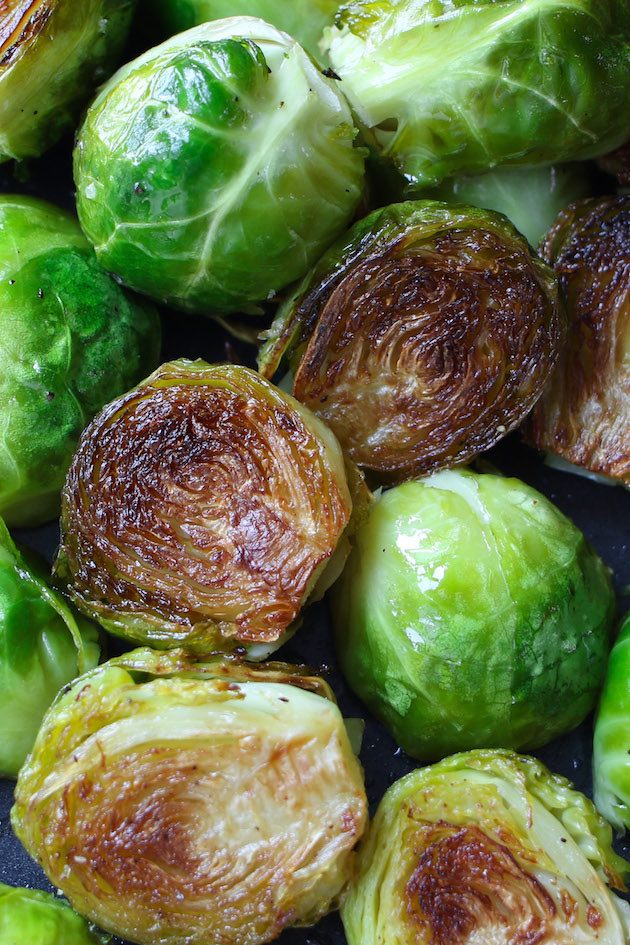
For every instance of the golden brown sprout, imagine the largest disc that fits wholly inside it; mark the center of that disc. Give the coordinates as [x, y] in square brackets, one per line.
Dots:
[423, 337]
[200, 510]
[584, 416]
[178, 802]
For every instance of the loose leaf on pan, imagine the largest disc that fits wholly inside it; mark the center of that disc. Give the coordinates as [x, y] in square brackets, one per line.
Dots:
[450, 87]
[486, 847]
[183, 802]
[53, 54]
[584, 416]
[422, 337]
[216, 168]
[200, 509]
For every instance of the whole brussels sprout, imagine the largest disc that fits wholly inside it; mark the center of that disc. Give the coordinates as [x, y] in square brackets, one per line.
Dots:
[216, 168]
[450, 87]
[422, 337]
[486, 847]
[37, 918]
[584, 415]
[200, 510]
[611, 749]
[42, 647]
[188, 803]
[71, 340]
[472, 613]
[53, 54]
[303, 19]
[531, 197]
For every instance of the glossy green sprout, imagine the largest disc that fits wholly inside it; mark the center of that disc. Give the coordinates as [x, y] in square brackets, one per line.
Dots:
[34, 917]
[43, 646]
[71, 340]
[472, 613]
[611, 748]
[53, 54]
[215, 169]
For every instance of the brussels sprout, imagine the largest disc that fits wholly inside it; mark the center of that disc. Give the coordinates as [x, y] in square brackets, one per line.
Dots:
[37, 918]
[303, 19]
[472, 613]
[422, 337]
[42, 647]
[618, 164]
[584, 415]
[450, 87]
[611, 751]
[216, 168]
[182, 802]
[53, 54]
[531, 197]
[71, 340]
[200, 510]
[486, 847]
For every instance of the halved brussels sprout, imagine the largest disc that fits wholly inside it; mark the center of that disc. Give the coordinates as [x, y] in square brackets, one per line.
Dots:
[449, 87]
[584, 415]
[472, 613]
[53, 54]
[70, 340]
[42, 647]
[303, 19]
[611, 749]
[531, 197]
[37, 918]
[216, 168]
[422, 337]
[200, 510]
[486, 847]
[182, 802]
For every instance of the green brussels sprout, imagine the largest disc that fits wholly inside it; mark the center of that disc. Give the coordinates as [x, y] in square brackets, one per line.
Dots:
[531, 197]
[486, 847]
[216, 168]
[424, 336]
[611, 748]
[185, 802]
[303, 19]
[471, 614]
[42, 647]
[584, 414]
[53, 54]
[451, 87]
[71, 340]
[37, 918]
[200, 510]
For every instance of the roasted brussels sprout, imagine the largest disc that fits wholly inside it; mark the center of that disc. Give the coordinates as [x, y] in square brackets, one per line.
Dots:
[71, 339]
[200, 509]
[451, 87]
[184, 802]
[486, 847]
[303, 19]
[611, 754]
[53, 54]
[422, 337]
[472, 613]
[37, 918]
[531, 197]
[216, 168]
[42, 647]
[584, 415]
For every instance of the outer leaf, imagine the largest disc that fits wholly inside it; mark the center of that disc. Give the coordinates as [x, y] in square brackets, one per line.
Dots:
[584, 416]
[485, 846]
[180, 802]
[53, 54]
[472, 613]
[200, 509]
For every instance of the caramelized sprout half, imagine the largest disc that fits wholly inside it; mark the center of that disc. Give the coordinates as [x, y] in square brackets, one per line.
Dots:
[181, 802]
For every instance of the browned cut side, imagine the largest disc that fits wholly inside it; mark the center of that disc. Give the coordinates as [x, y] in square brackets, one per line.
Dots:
[21, 21]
